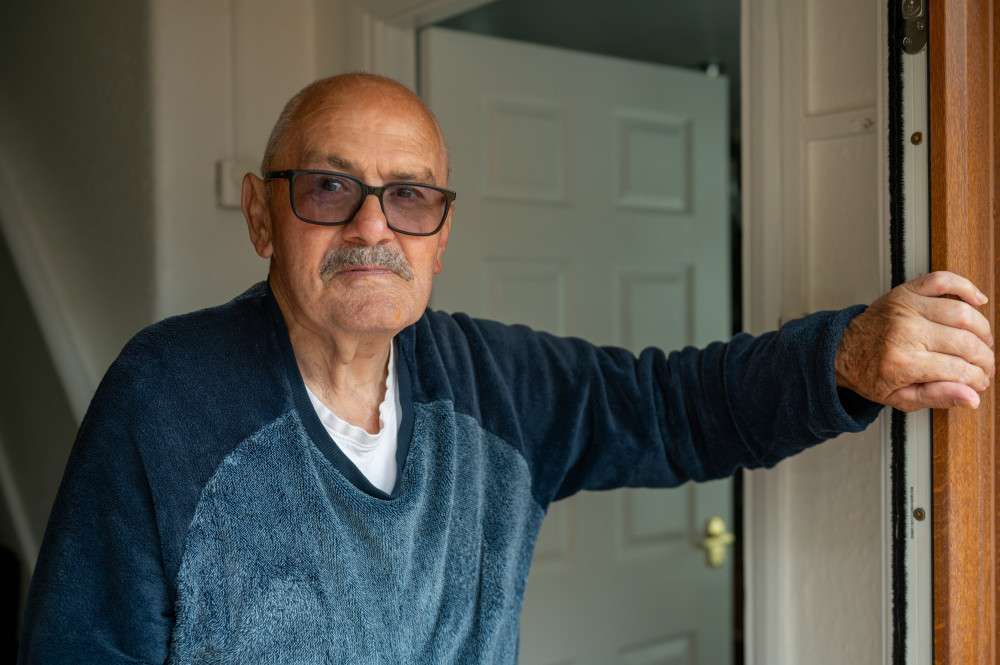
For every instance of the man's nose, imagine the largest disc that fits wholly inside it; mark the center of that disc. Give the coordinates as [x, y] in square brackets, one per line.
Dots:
[369, 224]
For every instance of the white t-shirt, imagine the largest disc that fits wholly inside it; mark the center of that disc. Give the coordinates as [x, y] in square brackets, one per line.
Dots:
[373, 454]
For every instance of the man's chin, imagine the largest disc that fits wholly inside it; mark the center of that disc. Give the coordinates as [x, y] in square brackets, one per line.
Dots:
[377, 311]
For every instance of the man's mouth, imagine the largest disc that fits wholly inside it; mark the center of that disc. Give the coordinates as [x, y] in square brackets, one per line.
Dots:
[374, 269]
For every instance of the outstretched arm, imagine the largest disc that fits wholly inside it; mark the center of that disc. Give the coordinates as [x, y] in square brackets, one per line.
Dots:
[921, 345]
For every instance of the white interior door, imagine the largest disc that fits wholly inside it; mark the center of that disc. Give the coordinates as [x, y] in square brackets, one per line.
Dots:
[593, 202]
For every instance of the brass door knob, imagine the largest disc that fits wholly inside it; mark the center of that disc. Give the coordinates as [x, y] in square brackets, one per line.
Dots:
[716, 539]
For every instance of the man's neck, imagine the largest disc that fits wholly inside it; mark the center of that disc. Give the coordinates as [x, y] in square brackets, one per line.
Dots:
[346, 373]
[351, 383]
[345, 369]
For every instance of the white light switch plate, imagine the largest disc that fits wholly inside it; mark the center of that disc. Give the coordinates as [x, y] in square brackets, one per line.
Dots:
[229, 174]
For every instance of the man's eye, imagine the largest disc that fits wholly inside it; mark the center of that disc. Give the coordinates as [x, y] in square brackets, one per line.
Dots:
[330, 184]
[407, 192]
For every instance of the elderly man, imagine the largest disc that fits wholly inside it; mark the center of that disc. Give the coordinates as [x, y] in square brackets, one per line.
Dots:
[321, 471]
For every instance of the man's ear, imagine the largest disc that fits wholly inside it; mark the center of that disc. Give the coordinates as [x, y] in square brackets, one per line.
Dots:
[257, 213]
[442, 237]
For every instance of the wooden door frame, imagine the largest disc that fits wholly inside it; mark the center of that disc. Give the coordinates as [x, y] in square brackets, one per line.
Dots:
[965, 161]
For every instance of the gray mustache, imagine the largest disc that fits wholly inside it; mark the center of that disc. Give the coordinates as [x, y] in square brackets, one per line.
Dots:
[381, 255]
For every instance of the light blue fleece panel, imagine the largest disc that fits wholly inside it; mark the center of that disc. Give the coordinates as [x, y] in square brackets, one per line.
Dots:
[287, 562]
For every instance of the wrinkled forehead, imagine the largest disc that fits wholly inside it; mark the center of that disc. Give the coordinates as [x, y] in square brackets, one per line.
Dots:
[366, 123]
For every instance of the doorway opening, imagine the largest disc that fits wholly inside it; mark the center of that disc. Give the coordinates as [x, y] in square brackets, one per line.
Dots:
[702, 37]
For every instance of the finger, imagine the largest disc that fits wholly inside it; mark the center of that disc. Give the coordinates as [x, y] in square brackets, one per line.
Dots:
[942, 283]
[959, 315]
[934, 395]
[963, 344]
[930, 367]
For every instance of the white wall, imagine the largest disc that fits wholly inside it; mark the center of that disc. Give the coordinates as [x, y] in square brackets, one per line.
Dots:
[75, 131]
[76, 213]
[815, 218]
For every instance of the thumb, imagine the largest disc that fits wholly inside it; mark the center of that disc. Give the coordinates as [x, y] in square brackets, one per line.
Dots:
[935, 395]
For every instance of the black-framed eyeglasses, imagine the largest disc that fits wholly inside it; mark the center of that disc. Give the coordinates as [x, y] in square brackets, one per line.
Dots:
[331, 199]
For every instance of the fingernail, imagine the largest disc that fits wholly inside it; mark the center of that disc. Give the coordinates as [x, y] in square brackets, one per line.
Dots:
[982, 297]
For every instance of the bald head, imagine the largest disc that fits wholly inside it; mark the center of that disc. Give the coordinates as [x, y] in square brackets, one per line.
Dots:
[358, 89]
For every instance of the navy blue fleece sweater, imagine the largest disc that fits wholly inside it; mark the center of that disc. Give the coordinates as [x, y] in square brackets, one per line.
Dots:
[207, 517]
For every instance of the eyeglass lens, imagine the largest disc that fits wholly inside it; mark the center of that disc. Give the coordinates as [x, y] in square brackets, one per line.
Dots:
[332, 199]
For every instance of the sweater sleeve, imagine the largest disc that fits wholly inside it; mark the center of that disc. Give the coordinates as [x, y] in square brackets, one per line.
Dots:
[589, 417]
[99, 594]
[182, 394]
